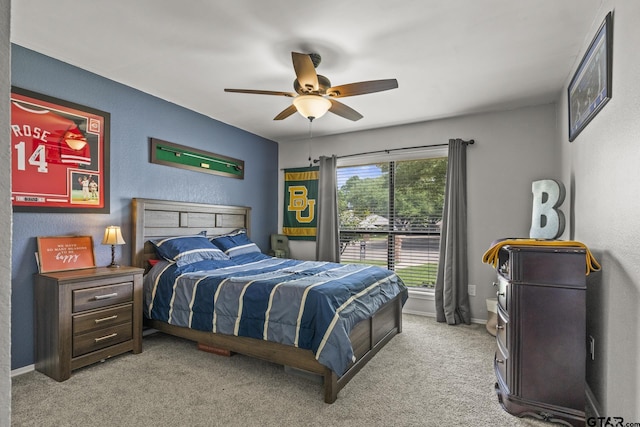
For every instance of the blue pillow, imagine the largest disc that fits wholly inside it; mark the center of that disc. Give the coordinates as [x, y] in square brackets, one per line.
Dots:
[185, 250]
[235, 243]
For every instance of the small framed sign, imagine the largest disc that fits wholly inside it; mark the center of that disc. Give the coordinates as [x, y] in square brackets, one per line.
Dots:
[59, 253]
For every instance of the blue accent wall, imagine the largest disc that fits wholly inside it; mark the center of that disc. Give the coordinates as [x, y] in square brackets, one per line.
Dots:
[135, 117]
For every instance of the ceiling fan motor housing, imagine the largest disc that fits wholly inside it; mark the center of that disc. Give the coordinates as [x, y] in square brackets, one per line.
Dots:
[315, 58]
[323, 84]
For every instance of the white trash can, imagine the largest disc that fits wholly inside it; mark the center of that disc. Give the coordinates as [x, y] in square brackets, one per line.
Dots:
[492, 315]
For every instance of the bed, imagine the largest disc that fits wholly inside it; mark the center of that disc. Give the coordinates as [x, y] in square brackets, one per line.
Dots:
[257, 296]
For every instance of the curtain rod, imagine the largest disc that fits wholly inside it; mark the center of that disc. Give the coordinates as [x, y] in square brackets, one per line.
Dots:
[470, 142]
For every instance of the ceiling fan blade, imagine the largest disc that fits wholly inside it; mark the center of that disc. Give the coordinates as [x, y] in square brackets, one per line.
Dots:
[343, 111]
[263, 92]
[286, 112]
[305, 71]
[362, 88]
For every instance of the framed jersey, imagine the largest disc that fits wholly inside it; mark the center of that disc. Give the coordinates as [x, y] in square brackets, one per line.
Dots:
[59, 155]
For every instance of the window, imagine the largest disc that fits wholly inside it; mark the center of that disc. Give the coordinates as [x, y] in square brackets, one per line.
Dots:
[390, 215]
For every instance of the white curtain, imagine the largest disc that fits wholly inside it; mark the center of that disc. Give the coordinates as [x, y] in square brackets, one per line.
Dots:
[452, 300]
[327, 233]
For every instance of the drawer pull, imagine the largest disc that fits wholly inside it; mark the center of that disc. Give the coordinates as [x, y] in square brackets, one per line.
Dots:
[499, 327]
[104, 319]
[106, 296]
[500, 294]
[499, 360]
[106, 337]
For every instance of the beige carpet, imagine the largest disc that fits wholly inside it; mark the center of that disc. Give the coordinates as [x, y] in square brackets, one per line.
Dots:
[430, 375]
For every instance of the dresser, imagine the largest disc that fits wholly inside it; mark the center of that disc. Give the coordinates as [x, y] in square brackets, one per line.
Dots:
[541, 332]
[86, 316]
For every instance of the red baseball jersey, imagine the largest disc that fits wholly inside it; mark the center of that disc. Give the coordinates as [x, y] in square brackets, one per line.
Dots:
[44, 142]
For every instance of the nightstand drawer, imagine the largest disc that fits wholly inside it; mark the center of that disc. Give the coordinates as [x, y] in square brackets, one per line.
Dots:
[95, 340]
[102, 296]
[84, 323]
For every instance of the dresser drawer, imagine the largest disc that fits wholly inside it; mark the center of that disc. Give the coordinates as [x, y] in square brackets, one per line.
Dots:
[502, 328]
[102, 296]
[503, 293]
[101, 338]
[500, 364]
[83, 323]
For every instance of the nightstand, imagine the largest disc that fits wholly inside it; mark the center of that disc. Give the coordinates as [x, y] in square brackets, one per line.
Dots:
[86, 316]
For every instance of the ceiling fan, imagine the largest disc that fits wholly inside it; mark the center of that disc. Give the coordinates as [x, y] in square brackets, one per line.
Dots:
[314, 95]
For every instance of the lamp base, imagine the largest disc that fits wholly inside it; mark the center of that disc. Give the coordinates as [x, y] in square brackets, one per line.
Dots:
[113, 258]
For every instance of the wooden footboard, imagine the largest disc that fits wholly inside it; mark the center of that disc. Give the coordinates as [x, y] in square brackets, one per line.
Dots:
[367, 338]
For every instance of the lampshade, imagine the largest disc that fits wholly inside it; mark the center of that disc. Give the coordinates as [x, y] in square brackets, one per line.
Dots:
[112, 236]
[311, 106]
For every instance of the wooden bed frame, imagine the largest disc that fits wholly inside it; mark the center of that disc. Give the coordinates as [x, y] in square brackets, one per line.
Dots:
[161, 218]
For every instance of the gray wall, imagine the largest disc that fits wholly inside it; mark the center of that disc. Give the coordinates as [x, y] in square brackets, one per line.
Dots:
[135, 116]
[512, 149]
[5, 218]
[603, 168]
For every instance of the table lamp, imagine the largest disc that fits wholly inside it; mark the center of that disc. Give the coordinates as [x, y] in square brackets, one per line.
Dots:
[113, 237]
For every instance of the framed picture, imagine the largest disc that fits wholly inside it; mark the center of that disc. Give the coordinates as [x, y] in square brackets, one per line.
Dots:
[59, 253]
[59, 155]
[590, 87]
[179, 156]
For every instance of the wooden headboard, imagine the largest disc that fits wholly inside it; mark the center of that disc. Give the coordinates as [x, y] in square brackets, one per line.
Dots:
[154, 219]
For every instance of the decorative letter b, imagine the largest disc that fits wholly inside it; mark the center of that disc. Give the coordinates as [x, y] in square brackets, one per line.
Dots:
[547, 221]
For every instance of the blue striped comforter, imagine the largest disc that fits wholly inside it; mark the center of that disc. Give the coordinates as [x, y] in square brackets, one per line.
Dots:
[307, 304]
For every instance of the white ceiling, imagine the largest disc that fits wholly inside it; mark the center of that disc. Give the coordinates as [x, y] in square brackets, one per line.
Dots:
[450, 57]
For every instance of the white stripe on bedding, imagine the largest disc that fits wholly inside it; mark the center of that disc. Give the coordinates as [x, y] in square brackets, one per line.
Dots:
[193, 298]
[215, 298]
[240, 305]
[265, 333]
[173, 298]
[155, 287]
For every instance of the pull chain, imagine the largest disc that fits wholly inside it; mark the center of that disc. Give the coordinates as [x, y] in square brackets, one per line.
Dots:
[310, 137]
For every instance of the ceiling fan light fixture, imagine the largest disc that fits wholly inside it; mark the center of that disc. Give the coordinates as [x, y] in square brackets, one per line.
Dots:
[311, 106]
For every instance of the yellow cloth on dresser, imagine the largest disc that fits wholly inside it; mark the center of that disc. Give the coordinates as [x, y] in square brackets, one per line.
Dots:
[491, 255]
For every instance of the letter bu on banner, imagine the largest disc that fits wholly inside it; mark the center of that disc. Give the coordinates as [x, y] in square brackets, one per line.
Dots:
[300, 196]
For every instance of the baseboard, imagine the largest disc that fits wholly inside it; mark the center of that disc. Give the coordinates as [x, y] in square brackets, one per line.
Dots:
[593, 407]
[479, 321]
[426, 314]
[418, 313]
[23, 370]
[148, 331]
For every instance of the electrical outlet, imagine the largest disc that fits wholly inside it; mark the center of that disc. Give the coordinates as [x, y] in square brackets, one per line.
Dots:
[471, 290]
[592, 347]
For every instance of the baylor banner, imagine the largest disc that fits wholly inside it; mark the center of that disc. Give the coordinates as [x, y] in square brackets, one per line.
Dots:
[300, 196]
